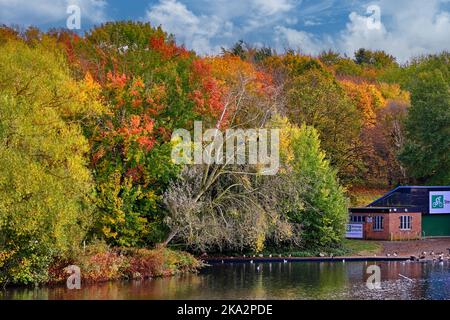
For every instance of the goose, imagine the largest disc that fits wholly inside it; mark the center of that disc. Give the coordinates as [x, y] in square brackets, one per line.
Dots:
[285, 261]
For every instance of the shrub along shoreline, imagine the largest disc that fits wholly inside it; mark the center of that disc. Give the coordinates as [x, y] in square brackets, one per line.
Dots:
[101, 264]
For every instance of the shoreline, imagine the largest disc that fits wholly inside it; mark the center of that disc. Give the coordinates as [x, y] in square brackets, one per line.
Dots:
[221, 260]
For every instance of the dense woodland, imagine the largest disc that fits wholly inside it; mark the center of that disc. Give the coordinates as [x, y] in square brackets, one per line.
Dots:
[85, 143]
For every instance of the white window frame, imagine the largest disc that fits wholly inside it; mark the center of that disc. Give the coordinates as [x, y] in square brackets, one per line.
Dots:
[405, 222]
[378, 223]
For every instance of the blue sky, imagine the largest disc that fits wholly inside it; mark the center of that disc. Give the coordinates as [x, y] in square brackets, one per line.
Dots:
[406, 28]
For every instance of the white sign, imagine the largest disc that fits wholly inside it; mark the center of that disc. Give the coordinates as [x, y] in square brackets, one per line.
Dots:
[439, 202]
[354, 231]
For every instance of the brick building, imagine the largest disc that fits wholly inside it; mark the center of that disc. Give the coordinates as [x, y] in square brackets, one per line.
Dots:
[405, 213]
[384, 224]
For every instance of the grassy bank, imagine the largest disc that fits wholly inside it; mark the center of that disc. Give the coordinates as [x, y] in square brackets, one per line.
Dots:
[363, 247]
[346, 248]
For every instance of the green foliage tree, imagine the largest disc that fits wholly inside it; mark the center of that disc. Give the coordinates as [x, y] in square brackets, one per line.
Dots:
[426, 153]
[322, 210]
[378, 58]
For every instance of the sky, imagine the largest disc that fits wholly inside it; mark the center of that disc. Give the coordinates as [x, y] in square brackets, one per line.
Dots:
[403, 28]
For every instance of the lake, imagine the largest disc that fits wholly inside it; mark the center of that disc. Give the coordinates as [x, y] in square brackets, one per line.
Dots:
[296, 280]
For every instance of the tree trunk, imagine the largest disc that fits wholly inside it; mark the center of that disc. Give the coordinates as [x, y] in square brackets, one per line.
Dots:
[169, 238]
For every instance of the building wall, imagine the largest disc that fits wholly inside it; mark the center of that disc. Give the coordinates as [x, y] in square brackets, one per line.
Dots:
[436, 225]
[395, 233]
[391, 226]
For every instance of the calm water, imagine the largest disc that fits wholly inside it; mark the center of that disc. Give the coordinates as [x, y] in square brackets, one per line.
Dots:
[315, 280]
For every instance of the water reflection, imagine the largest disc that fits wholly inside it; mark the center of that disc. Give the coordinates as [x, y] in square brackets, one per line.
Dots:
[315, 280]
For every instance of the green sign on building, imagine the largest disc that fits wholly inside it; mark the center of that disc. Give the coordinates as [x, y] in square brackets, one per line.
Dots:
[437, 201]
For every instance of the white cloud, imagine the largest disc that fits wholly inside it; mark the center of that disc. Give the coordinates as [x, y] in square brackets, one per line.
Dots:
[271, 7]
[409, 28]
[47, 11]
[221, 23]
[195, 31]
[297, 40]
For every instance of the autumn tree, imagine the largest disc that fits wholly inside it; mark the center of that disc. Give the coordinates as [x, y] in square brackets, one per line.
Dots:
[212, 206]
[152, 86]
[46, 189]
[316, 100]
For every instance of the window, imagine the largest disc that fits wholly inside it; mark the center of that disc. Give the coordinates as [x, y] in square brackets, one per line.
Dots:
[405, 223]
[357, 219]
[377, 223]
